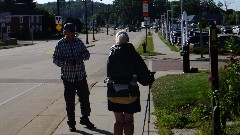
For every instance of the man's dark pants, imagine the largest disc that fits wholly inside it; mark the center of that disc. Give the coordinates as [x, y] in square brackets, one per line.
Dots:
[70, 90]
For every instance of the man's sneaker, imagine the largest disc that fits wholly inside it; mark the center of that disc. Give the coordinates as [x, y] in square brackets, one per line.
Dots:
[87, 123]
[72, 129]
[71, 125]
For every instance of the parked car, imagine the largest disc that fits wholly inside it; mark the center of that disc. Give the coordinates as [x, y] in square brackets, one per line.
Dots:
[192, 31]
[133, 28]
[226, 30]
[154, 27]
[194, 41]
[235, 30]
[114, 27]
[222, 38]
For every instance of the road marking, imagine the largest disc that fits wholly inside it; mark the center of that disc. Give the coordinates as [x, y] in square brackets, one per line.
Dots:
[49, 52]
[4, 102]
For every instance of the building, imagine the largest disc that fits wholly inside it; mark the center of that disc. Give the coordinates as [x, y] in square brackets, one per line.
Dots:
[24, 20]
[208, 17]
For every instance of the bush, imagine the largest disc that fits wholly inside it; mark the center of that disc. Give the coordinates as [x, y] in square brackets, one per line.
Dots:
[229, 87]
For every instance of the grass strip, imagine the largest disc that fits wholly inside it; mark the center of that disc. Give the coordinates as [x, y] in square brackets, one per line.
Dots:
[149, 47]
[182, 101]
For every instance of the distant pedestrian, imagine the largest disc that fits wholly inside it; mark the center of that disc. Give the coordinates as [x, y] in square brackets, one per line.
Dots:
[125, 68]
[69, 54]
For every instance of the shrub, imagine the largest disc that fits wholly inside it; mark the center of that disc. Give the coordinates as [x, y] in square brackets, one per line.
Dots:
[229, 87]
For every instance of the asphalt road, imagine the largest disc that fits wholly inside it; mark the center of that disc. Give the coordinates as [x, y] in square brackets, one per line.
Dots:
[31, 92]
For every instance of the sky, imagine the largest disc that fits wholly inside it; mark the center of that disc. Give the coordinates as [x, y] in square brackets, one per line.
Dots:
[235, 4]
[46, 1]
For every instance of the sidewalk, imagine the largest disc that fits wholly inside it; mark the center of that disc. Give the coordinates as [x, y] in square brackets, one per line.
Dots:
[170, 63]
[104, 119]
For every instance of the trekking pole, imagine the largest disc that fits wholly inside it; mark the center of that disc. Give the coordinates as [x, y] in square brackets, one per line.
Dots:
[148, 102]
[145, 117]
[149, 108]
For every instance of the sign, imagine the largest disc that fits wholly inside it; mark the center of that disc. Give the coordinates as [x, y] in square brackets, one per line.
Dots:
[146, 21]
[59, 27]
[145, 1]
[145, 13]
[5, 17]
[145, 7]
[58, 19]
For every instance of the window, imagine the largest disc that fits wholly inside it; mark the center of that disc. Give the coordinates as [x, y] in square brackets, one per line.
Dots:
[8, 29]
[37, 19]
[33, 29]
[37, 28]
[21, 28]
[21, 19]
[32, 19]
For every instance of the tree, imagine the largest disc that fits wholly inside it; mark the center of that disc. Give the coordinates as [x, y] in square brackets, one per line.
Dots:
[195, 7]
[227, 3]
[48, 22]
[5, 4]
[24, 1]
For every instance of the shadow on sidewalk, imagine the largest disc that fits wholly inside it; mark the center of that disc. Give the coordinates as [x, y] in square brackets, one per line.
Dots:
[99, 131]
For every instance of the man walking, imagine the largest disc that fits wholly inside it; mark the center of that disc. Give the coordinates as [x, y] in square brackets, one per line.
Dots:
[70, 54]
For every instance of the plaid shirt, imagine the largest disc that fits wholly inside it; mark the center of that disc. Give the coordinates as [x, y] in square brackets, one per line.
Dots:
[66, 51]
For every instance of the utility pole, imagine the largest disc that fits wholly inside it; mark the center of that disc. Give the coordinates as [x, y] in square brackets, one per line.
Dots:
[85, 2]
[107, 17]
[93, 21]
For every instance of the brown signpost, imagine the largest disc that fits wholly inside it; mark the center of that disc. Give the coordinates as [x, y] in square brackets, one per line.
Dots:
[146, 18]
[215, 80]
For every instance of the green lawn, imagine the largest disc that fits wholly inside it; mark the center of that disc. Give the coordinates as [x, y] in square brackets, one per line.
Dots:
[184, 101]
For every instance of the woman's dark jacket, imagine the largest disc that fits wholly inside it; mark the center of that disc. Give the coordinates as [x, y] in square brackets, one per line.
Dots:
[123, 62]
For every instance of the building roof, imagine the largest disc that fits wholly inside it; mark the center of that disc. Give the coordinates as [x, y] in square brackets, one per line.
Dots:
[206, 16]
[23, 9]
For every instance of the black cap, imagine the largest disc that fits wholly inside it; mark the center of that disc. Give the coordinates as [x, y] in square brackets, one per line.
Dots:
[69, 27]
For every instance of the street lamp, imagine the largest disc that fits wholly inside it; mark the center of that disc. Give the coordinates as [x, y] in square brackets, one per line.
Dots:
[181, 8]
[58, 13]
[85, 2]
[165, 30]
[93, 21]
[168, 26]
[162, 24]
[107, 16]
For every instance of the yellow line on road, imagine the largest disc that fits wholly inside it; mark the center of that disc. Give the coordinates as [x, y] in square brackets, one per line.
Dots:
[49, 52]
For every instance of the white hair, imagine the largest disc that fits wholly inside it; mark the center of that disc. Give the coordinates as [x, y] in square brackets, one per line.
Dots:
[122, 37]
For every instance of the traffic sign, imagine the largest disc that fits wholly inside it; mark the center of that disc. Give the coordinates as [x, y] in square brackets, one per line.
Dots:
[146, 21]
[59, 27]
[145, 1]
[145, 7]
[58, 19]
[145, 13]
